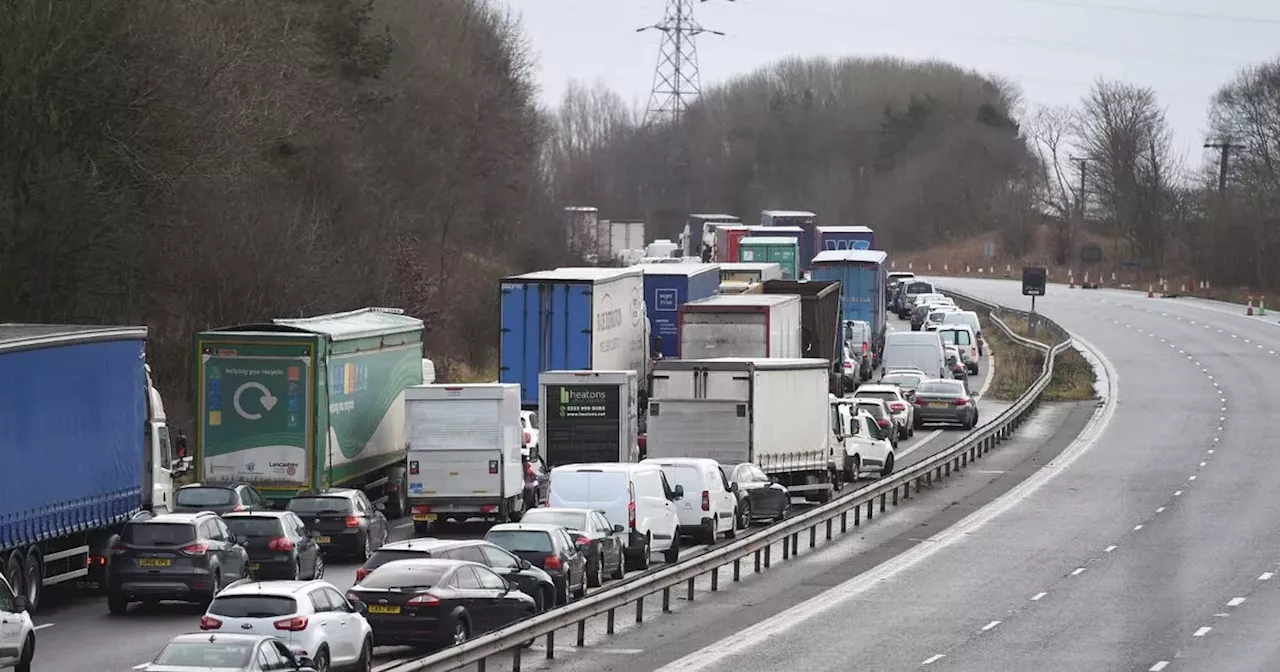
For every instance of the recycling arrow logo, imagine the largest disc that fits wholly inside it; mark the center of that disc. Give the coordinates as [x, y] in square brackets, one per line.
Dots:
[268, 401]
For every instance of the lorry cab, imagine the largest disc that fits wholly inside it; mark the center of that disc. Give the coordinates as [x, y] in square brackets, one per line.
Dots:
[162, 467]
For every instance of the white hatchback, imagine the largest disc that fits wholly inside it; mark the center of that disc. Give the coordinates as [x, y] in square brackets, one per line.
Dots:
[312, 617]
[707, 509]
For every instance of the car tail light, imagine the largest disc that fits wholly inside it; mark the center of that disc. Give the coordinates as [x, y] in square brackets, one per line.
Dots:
[552, 562]
[706, 500]
[119, 549]
[528, 438]
[353, 521]
[195, 550]
[631, 505]
[973, 352]
[209, 623]
[361, 573]
[424, 600]
[848, 364]
[239, 507]
[582, 540]
[897, 406]
[883, 422]
[960, 402]
[295, 624]
[419, 508]
[280, 544]
[919, 401]
[864, 347]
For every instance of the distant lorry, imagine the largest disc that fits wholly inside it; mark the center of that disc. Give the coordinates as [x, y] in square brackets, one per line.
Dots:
[464, 452]
[588, 416]
[702, 232]
[749, 272]
[781, 250]
[741, 325]
[626, 240]
[85, 448]
[819, 321]
[300, 404]
[845, 238]
[727, 238]
[666, 288]
[805, 221]
[572, 319]
[861, 277]
[774, 413]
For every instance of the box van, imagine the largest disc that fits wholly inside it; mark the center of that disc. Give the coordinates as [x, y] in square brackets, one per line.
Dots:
[970, 318]
[962, 337]
[915, 350]
[636, 493]
[706, 516]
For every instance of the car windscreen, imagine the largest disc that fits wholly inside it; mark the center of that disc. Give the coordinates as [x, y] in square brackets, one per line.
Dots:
[253, 606]
[574, 520]
[954, 336]
[383, 556]
[941, 388]
[205, 654]
[919, 288]
[257, 526]
[405, 576]
[521, 540]
[886, 395]
[905, 382]
[204, 496]
[158, 534]
[320, 505]
[875, 409]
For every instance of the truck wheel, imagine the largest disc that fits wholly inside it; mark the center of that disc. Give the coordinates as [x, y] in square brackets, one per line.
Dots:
[34, 578]
[399, 505]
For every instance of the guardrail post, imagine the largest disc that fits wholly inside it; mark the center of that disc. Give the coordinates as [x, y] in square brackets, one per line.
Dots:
[666, 600]
[786, 547]
[795, 544]
[895, 496]
[737, 570]
[844, 521]
[608, 628]
[757, 561]
[551, 645]
[813, 536]
[582, 633]
[640, 609]
[689, 590]
[828, 529]
[515, 659]
[884, 496]
[857, 515]
[768, 555]
[715, 579]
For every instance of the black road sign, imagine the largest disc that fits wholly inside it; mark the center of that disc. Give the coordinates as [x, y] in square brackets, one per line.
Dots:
[1033, 278]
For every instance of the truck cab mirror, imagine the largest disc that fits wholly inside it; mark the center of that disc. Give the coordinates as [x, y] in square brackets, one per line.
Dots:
[20, 603]
[733, 487]
[678, 493]
[773, 480]
[618, 529]
[380, 506]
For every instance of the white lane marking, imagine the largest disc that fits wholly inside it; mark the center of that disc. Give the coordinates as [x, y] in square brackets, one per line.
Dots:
[933, 659]
[1203, 463]
[1110, 548]
[1234, 336]
[990, 625]
[1266, 576]
[769, 629]
[988, 471]
[1235, 602]
[1078, 571]
[1248, 341]
[139, 667]
[1158, 666]
[407, 523]
[1211, 450]
[1204, 630]
[915, 446]
[1192, 478]
[1137, 527]
[590, 649]
[1161, 509]
[1177, 493]
[42, 626]
[1037, 597]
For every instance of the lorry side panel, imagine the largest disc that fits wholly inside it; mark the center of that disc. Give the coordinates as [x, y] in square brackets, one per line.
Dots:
[791, 423]
[617, 327]
[819, 315]
[844, 238]
[665, 293]
[861, 288]
[365, 405]
[72, 439]
[545, 325]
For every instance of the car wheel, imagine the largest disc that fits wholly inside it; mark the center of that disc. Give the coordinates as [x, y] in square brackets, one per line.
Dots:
[620, 572]
[28, 653]
[297, 569]
[460, 632]
[732, 532]
[365, 662]
[117, 603]
[365, 551]
[744, 515]
[888, 467]
[321, 661]
[581, 591]
[903, 432]
[595, 572]
[641, 559]
[319, 571]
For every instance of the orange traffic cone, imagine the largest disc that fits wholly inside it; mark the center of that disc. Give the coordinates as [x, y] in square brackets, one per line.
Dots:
[1151, 294]
[1071, 282]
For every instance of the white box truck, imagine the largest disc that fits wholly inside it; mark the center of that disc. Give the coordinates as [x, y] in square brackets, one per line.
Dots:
[588, 416]
[464, 452]
[775, 413]
[741, 325]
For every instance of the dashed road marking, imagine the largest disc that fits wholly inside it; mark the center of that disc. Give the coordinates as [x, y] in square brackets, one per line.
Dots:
[990, 625]
[1137, 527]
[1177, 493]
[1038, 596]
[1078, 571]
[1158, 666]
[1235, 602]
[1161, 509]
[933, 659]
[1110, 548]
[42, 626]
[1204, 630]
[1265, 576]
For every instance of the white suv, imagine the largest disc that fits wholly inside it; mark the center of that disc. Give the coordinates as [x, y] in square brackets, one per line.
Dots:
[867, 447]
[17, 632]
[707, 509]
[312, 617]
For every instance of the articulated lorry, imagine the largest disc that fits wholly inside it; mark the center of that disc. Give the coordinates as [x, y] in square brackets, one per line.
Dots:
[862, 279]
[588, 416]
[85, 448]
[308, 403]
[774, 413]
[819, 321]
[741, 325]
[464, 452]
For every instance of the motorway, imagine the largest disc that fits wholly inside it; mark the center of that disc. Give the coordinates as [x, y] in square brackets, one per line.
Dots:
[77, 633]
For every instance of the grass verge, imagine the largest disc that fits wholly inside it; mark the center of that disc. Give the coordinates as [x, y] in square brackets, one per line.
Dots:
[1016, 367]
[1073, 376]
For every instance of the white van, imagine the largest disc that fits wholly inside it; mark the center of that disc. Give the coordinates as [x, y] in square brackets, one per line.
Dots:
[703, 516]
[964, 340]
[915, 350]
[970, 318]
[637, 493]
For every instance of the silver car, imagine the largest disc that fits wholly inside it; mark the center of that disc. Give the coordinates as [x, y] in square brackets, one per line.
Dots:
[945, 401]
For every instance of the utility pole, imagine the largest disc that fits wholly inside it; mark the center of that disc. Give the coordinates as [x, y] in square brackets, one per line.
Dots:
[676, 79]
[1084, 163]
[1225, 148]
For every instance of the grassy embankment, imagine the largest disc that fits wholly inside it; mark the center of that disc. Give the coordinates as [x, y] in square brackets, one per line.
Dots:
[1016, 366]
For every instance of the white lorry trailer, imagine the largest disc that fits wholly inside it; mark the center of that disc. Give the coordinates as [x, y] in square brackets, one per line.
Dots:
[464, 452]
[741, 325]
[773, 412]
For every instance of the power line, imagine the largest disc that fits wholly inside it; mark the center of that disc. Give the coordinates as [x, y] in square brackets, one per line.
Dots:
[676, 79]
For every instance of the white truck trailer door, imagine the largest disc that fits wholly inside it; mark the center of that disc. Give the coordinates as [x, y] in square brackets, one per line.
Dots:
[458, 447]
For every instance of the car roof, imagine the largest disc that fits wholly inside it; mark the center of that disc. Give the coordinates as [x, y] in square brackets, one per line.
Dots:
[272, 588]
[425, 544]
[429, 562]
[330, 492]
[257, 514]
[179, 518]
[221, 486]
[954, 326]
[528, 527]
[877, 388]
[687, 461]
[562, 509]
[216, 636]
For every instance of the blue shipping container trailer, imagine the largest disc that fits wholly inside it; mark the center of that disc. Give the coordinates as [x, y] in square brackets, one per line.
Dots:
[806, 222]
[845, 238]
[861, 275]
[666, 288]
[84, 445]
[572, 319]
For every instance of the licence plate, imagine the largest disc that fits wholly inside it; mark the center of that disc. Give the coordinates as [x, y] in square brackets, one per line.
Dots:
[424, 517]
[254, 566]
[383, 609]
[938, 404]
[154, 562]
[324, 540]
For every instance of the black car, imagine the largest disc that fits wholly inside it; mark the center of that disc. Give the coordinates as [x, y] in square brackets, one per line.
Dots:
[531, 580]
[592, 530]
[219, 498]
[550, 548]
[199, 652]
[344, 520]
[279, 545]
[175, 556]
[444, 602]
[759, 497]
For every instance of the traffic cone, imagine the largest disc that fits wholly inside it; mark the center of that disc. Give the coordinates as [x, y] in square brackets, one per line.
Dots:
[966, 268]
[1249, 309]
[1071, 282]
[1262, 305]
[1151, 294]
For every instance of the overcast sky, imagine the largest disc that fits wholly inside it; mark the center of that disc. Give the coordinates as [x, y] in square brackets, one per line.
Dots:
[1184, 49]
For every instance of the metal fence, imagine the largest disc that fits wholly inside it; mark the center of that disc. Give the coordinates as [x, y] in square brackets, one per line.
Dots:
[849, 510]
